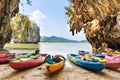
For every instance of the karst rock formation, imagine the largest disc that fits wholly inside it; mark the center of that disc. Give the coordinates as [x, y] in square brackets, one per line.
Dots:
[8, 8]
[24, 30]
[100, 20]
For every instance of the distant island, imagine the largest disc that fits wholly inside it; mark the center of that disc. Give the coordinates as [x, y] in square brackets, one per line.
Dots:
[57, 39]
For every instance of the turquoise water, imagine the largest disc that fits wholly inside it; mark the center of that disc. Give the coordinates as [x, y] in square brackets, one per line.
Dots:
[58, 48]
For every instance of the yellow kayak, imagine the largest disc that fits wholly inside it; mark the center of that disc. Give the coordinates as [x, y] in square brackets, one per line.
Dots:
[117, 53]
[54, 67]
[93, 57]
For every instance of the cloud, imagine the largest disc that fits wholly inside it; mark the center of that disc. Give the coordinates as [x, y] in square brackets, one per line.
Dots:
[37, 16]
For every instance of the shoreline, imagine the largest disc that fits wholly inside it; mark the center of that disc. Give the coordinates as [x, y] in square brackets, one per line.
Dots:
[69, 72]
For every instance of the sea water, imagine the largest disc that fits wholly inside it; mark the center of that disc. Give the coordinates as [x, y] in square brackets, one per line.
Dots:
[64, 48]
[58, 48]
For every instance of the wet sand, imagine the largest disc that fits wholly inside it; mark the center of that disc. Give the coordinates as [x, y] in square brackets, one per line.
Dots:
[69, 72]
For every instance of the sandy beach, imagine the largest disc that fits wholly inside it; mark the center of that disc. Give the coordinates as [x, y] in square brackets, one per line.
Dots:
[69, 72]
[59, 27]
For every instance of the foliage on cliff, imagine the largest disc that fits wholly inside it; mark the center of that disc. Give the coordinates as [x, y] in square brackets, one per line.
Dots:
[24, 30]
[100, 20]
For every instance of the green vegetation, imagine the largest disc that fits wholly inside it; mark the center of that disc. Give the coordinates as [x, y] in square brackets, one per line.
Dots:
[22, 46]
[4, 50]
[24, 30]
[55, 39]
[69, 10]
[84, 41]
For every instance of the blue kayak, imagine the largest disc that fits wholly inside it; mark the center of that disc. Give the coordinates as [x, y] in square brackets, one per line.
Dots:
[82, 52]
[91, 65]
[99, 55]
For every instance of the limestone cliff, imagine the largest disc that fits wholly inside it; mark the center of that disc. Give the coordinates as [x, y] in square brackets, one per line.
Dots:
[100, 20]
[8, 8]
[24, 30]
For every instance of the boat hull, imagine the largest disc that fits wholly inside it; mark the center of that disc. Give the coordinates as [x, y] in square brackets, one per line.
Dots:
[112, 64]
[94, 66]
[6, 57]
[19, 65]
[55, 66]
[25, 64]
[4, 60]
[82, 53]
[110, 61]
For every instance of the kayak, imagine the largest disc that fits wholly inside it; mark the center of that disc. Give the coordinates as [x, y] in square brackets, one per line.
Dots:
[88, 64]
[24, 62]
[21, 54]
[52, 66]
[110, 61]
[6, 56]
[82, 53]
[113, 62]
[117, 53]
[108, 56]
[99, 55]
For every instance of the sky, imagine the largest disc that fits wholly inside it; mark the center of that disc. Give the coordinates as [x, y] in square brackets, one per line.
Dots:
[50, 17]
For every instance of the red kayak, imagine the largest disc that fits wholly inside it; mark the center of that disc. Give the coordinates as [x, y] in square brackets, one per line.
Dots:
[23, 64]
[6, 56]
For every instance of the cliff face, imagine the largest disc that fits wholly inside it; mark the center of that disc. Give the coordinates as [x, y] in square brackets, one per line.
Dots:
[104, 32]
[8, 8]
[24, 30]
[100, 20]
